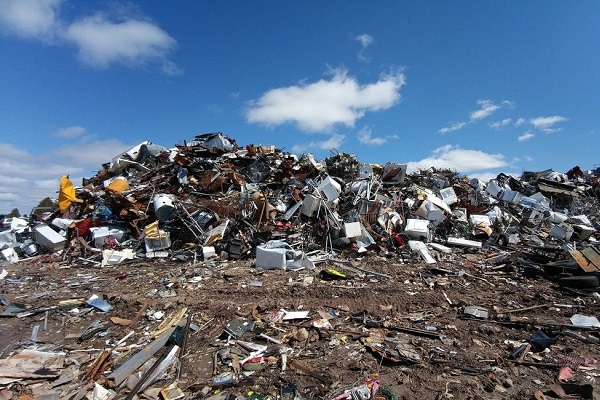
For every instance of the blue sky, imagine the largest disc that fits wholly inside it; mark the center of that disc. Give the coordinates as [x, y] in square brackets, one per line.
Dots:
[482, 87]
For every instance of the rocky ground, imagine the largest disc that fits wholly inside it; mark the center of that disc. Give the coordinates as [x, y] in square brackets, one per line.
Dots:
[410, 323]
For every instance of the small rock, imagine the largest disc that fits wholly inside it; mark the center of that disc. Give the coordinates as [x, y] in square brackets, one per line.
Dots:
[489, 329]
[508, 383]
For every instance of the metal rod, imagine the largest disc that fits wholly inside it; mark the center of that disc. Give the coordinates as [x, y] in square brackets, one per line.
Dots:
[137, 387]
[186, 333]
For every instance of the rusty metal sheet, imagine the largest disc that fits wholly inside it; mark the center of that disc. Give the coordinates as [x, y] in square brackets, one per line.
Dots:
[583, 262]
[592, 254]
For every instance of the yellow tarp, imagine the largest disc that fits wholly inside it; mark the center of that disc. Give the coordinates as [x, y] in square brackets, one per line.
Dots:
[119, 185]
[66, 194]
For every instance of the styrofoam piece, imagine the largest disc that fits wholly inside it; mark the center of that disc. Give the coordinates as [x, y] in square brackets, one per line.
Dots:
[464, 242]
[585, 321]
[476, 219]
[417, 229]
[449, 195]
[112, 257]
[47, 237]
[352, 230]
[440, 247]
[419, 247]
[330, 188]
[290, 315]
[208, 252]
[310, 205]
[10, 255]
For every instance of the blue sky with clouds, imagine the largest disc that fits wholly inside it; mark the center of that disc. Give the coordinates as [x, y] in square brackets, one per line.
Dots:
[482, 87]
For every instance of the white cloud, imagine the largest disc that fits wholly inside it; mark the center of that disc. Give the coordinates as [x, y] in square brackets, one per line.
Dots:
[520, 121]
[32, 19]
[91, 154]
[453, 127]
[170, 68]
[546, 124]
[487, 108]
[365, 40]
[462, 160]
[365, 136]
[27, 178]
[319, 106]
[333, 142]
[501, 124]
[526, 136]
[70, 132]
[100, 40]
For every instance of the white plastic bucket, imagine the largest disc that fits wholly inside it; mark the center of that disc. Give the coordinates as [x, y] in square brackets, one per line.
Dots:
[163, 207]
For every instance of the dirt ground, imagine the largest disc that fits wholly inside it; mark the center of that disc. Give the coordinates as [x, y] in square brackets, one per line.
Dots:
[434, 349]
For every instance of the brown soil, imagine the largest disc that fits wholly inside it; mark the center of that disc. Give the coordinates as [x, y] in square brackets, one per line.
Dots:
[471, 358]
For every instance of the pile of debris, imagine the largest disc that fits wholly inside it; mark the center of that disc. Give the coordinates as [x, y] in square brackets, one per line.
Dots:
[211, 198]
[211, 203]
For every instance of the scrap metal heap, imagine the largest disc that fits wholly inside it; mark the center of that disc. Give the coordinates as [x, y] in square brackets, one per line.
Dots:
[426, 269]
[212, 198]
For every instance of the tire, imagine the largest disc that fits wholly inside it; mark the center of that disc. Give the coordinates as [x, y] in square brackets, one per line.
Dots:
[579, 282]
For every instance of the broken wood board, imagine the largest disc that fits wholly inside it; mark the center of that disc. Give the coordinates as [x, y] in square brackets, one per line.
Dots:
[32, 364]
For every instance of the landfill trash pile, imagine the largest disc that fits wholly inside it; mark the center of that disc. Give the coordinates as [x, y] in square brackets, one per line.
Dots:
[211, 270]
